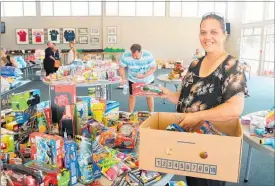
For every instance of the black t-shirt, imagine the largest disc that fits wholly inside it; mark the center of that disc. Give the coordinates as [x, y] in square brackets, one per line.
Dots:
[202, 93]
[54, 34]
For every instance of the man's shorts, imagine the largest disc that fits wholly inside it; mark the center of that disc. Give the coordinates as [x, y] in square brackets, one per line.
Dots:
[130, 87]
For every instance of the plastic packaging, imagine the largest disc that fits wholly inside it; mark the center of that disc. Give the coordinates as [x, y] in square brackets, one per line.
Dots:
[125, 89]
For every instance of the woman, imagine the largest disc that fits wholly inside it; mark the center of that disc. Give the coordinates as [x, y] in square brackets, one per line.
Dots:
[214, 86]
[6, 60]
[55, 56]
[71, 54]
[49, 60]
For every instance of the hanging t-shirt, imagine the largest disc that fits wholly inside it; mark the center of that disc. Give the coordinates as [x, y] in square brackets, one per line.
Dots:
[22, 35]
[38, 36]
[69, 35]
[54, 34]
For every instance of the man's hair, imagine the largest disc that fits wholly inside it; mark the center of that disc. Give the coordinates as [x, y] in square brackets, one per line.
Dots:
[135, 47]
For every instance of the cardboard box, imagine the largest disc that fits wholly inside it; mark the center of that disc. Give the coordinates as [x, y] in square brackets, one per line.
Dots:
[180, 153]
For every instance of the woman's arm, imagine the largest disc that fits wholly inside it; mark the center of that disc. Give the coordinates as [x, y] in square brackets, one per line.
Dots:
[171, 96]
[232, 108]
[13, 62]
[74, 51]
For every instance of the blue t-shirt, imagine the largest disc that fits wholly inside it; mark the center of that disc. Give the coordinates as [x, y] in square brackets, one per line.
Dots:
[138, 66]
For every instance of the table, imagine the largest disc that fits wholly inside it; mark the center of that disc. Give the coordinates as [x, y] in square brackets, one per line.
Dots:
[104, 181]
[253, 141]
[99, 82]
[164, 79]
[26, 70]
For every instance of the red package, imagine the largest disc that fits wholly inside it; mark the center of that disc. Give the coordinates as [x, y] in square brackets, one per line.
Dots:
[142, 89]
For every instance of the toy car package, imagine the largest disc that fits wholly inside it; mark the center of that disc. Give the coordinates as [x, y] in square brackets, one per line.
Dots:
[142, 89]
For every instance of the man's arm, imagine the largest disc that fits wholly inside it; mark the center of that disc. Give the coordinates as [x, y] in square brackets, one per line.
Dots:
[122, 74]
[150, 72]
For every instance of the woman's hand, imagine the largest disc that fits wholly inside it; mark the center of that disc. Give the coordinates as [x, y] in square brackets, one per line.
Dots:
[189, 121]
[165, 92]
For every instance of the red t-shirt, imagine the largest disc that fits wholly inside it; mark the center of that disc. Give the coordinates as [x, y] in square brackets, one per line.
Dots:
[22, 35]
[38, 36]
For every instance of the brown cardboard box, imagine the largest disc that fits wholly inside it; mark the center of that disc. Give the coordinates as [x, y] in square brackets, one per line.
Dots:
[179, 153]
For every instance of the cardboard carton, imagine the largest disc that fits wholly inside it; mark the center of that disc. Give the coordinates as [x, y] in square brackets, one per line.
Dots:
[191, 154]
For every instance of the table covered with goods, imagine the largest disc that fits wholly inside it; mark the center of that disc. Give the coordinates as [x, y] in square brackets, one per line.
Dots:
[90, 72]
[71, 140]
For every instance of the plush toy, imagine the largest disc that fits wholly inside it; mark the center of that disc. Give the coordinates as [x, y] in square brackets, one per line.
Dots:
[176, 73]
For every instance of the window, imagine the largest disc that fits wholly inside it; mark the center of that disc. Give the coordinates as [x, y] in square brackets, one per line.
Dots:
[270, 11]
[2, 9]
[62, 8]
[111, 8]
[220, 7]
[269, 51]
[159, 8]
[95, 8]
[127, 8]
[251, 47]
[46, 8]
[29, 8]
[79, 8]
[144, 8]
[13, 8]
[175, 9]
[205, 7]
[253, 12]
[189, 9]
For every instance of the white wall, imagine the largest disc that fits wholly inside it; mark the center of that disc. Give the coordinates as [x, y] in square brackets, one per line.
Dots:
[166, 37]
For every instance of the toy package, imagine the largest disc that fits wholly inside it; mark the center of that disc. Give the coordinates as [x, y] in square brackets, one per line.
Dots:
[99, 152]
[92, 129]
[23, 116]
[205, 128]
[126, 136]
[61, 95]
[48, 149]
[115, 171]
[81, 116]
[51, 175]
[112, 109]
[98, 110]
[143, 177]
[70, 160]
[19, 175]
[22, 101]
[107, 138]
[208, 128]
[67, 123]
[270, 118]
[7, 143]
[177, 183]
[85, 159]
[86, 99]
[142, 89]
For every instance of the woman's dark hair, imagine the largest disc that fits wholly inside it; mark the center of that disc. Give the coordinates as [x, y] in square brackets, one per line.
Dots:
[219, 18]
[135, 47]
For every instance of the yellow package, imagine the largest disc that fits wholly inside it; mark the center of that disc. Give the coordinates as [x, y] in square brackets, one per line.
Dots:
[98, 110]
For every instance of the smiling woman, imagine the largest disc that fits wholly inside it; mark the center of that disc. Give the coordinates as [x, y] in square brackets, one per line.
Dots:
[214, 86]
